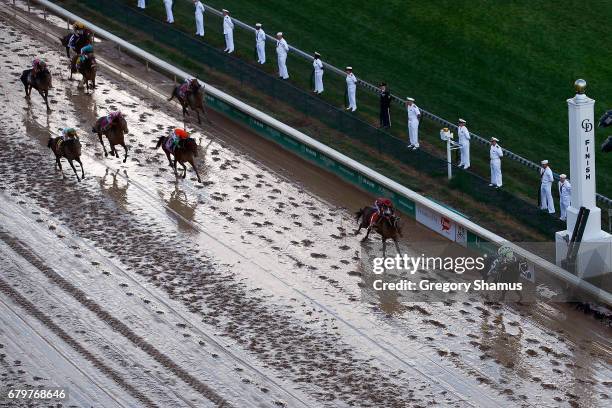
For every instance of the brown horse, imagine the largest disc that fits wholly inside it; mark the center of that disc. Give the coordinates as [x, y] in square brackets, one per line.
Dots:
[114, 132]
[387, 227]
[87, 69]
[41, 82]
[70, 149]
[184, 152]
[194, 99]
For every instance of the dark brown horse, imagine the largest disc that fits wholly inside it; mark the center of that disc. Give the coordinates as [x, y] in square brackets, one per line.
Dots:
[81, 41]
[185, 152]
[87, 69]
[193, 99]
[114, 132]
[70, 149]
[387, 226]
[41, 82]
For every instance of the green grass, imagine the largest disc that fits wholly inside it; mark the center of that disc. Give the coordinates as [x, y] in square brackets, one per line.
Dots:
[507, 67]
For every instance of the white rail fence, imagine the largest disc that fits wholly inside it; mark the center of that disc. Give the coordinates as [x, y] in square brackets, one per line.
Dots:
[161, 65]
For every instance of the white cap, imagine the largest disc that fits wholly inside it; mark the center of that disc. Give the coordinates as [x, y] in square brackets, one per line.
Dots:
[494, 139]
[279, 33]
[462, 120]
[544, 162]
[562, 176]
[409, 99]
[258, 25]
[349, 68]
[225, 10]
[317, 54]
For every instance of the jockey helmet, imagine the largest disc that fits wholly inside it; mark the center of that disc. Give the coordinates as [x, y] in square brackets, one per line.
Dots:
[69, 131]
[79, 26]
[505, 253]
[387, 202]
[181, 133]
[87, 49]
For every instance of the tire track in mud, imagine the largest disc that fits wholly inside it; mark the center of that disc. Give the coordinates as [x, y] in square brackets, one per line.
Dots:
[47, 321]
[114, 323]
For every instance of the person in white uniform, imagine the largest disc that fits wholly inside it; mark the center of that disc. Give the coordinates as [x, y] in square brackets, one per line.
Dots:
[228, 32]
[351, 89]
[463, 135]
[546, 199]
[414, 117]
[317, 65]
[282, 49]
[199, 17]
[565, 195]
[495, 154]
[260, 43]
[141, 4]
[169, 15]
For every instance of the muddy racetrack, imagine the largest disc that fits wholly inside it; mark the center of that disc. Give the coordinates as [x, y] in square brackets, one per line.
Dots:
[245, 290]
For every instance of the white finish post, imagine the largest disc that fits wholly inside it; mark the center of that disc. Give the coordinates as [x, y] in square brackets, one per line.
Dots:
[595, 255]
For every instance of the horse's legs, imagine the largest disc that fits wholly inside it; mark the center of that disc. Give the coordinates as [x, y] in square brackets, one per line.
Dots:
[206, 114]
[169, 159]
[126, 149]
[78, 159]
[74, 168]
[397, 248]
[45, 96]
[358, 230]
[384, 247]
[102, 143]
[58, 164]
[174, 166]
[184, 170]
[198, 114]
[366, 235]
[195, 169]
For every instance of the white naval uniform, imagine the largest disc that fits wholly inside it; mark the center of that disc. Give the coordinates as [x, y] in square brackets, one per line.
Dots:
[351, 89]
[413, 124]
[317, 64]
[464, 142]
[169, 15]
[282, 48]
[565, 197]
[199, 18]
[495, 154]
[141, 4]
[228, 32]
[260, 44]
[546, 199]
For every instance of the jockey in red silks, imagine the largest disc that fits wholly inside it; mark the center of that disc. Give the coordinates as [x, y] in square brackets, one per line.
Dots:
[383, 207]
[38, 65]
[110, 119]
[178, 135]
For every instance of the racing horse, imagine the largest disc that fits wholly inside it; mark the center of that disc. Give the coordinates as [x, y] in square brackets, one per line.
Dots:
[193, 99]
[184, 152]
[69, 149]
[114, 127]
[87, 69]
[388, 227]
[81, 42]
[502, 269]
[41, 82]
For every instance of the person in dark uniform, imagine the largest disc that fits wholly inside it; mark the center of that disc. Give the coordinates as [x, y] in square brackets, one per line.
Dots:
[385, 106]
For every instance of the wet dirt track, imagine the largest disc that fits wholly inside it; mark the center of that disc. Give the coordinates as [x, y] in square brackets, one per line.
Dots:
[245, 289]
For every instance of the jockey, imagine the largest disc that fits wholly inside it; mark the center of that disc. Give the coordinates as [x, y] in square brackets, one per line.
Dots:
[383, 207]
[190, 85]
[68, 133]
[110, 119]
[86, 53]
[38, 65]
[505, 254]
[78, 30]
[178, 135]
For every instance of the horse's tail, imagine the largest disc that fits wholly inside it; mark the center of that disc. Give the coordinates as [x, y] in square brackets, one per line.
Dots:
[25, 75]
[160, 141]
[173, 94]
[359, 214]
[50, 143]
